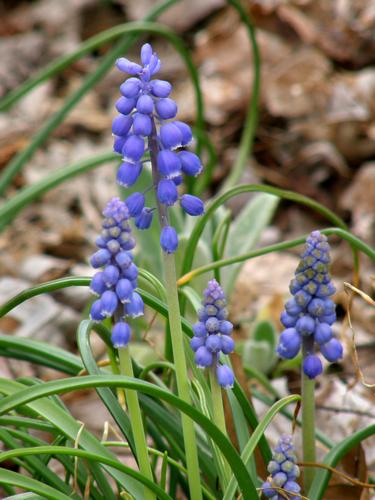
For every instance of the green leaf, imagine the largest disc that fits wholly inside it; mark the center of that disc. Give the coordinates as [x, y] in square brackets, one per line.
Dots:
[68, 426]
[25, 196]
[332, 459]
[245, 232]
[74, 452]
[250, 188]
[253, 441]
[36, 467]
[8, 477]
[28, 396]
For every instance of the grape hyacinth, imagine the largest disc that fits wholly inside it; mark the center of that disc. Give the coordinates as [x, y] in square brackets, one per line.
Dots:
[145, 110]
[283, 472]
[309, 315]
[115, 284]
[212, 334]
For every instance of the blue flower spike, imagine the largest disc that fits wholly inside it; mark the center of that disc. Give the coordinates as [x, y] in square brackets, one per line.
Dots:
[212, 334]
[146, 120]
[283, 471]
[115, 284]
[309, 315]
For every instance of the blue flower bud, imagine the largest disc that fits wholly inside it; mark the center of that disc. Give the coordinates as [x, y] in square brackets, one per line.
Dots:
[131, 272]
[160, 88]
[146, 53]
[97, 285]
[225, 327]
[170, 136]
[128, 173]
[213, 343]
[332, 350]
[113, 246]
[289, 343]
[145, 104]
[312, 366]
[124, 289]
[302, 298]
[96, 313]
[196, 343]
[127, 66]
[109, 303]
[211, 310]
[323, 333]
[190, 163]
[287, 320]
[111, 275]
[119, 144]
[166, 108]
[169, 239]
[142, 124]
[203, 357]
[192, 205]
[187, 135]
[292, 308]
[227, 344]
[121, 125]
[293, 487]
[167, 192]
[268, 491]
[330, 319]
[124, 259]
[134, 148]
[279, 479]
[305, 325]
[144, 220]
[225, 376]
[100, 258]
[130, 88]
[273, 467]
[120, 334]
[154, 64]
[169, 164]
[125, 105]
[135, 306]
[212, 325]
[135, 203]
[199, 330]
[316, 307]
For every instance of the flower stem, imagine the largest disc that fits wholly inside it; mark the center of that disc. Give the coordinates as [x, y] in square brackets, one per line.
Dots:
[182, 376]
[308, 419]
[126, 368]
[219, 420]
[177, 340]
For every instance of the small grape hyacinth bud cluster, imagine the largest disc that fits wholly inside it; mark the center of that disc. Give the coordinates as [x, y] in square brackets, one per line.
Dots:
[145, 102]
[309, 315]
[212, 334]
[283, 472]
[115, 284]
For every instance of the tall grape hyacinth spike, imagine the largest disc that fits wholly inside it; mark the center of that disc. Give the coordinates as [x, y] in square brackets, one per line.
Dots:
[283, 470]
[147, 112]
[309, 315]
[115, 284]
[212, 334]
